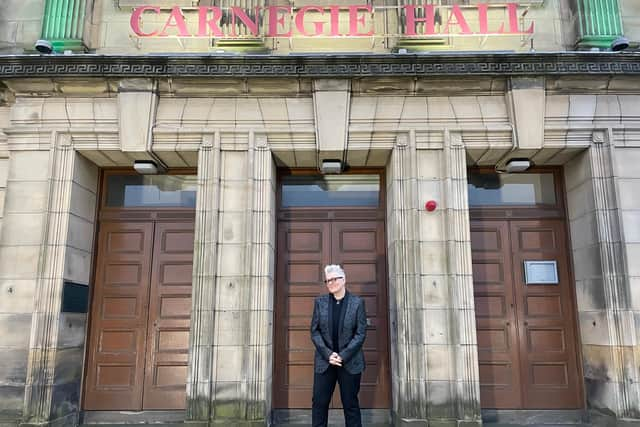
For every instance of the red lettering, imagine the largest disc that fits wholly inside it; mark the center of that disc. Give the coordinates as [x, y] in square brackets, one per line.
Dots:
[355, 20]
[459, 20]
[276, 19]
[410, 13]
[211, 26]
[252, 26]
[178, 18]
[318, 26]
[335, 20]
[512, 10]
[135, 20]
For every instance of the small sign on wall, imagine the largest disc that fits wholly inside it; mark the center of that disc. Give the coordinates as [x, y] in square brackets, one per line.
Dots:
[540, 273]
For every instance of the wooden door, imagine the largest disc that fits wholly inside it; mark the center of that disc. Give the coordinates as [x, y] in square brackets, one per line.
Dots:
[167, 347]
[140, 316]
[304, 247]
[495, 305]
[526, 332]
[119, 315]
[545, 318]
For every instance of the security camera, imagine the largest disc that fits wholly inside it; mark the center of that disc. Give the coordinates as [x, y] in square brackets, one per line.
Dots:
[44, 46]
[621, 43]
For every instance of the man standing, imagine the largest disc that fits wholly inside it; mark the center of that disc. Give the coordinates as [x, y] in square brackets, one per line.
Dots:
[338, 329]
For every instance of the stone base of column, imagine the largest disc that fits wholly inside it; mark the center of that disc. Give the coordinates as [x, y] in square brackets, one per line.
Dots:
[598, 418]
[236, 412]
[67, 420]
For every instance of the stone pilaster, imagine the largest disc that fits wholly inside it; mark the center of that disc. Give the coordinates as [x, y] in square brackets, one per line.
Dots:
[619, 394]
[460, 283]
[200, 374]
[408, 358]
[261, 257]
[43, 346]
[243, 311]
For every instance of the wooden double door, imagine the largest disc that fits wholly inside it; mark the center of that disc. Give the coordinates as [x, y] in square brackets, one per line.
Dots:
[139, 325]
[526, 330]
[304, 247]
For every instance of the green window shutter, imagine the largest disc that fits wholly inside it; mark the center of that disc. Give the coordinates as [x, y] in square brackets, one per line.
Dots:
[63, 24]
[599, 22]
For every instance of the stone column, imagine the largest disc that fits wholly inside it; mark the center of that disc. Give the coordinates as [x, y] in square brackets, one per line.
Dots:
[408, 358]
[434, 351]
[199, 378]
[466, 390]
[261, 257]
[48, 295]
[242, 345]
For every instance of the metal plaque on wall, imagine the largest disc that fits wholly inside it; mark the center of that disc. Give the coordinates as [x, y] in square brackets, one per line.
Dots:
[540, 273]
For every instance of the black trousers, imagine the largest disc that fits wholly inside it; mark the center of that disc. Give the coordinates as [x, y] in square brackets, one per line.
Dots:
[323, 386]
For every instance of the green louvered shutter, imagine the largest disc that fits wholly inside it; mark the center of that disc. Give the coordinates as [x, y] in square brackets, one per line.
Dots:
[63, 24]
[599, 22]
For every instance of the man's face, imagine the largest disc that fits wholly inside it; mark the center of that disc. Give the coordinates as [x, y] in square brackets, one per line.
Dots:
[335, 283]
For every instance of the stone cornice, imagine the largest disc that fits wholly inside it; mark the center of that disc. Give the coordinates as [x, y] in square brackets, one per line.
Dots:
[392, 65]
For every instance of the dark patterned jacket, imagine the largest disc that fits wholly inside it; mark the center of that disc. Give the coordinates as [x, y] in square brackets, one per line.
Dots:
[352, 332]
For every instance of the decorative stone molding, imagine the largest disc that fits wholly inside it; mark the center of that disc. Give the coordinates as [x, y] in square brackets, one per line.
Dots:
[598, 137]
[331, 107]
[408, 360]
[199, 377]
[48, 294]
[460, 283]
[261, 255]
[138, 103]
[340, 66]
[526, 105]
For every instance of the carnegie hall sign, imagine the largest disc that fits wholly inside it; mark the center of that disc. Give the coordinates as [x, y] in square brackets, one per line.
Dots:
[358, 20]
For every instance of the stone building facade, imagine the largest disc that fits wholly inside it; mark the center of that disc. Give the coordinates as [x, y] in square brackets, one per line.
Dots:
[426, 123]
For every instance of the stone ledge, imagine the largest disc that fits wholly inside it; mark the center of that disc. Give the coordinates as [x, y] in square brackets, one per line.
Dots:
[321, 65]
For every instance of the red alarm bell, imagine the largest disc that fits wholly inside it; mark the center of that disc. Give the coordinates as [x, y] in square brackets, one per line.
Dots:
[431, 205]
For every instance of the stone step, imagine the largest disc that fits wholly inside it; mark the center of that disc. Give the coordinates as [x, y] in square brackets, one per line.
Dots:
[302, 418]
[551, 418]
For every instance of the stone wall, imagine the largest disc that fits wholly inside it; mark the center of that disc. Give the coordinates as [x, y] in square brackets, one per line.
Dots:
[630, 13]
[602, 217]
[20, 25]
[24, 226]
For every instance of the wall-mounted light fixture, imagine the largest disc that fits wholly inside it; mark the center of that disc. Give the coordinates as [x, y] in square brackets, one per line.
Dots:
[148, 167]
[331, 166]
[517, 165]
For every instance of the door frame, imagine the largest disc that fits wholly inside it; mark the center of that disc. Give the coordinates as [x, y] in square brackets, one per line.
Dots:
[104, 213]
[557, 211]
[378, 213]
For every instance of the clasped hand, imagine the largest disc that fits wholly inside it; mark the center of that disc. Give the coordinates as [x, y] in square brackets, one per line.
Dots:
[335, 359]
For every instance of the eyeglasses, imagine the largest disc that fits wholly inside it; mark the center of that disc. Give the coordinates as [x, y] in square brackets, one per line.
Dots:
[333, 279]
